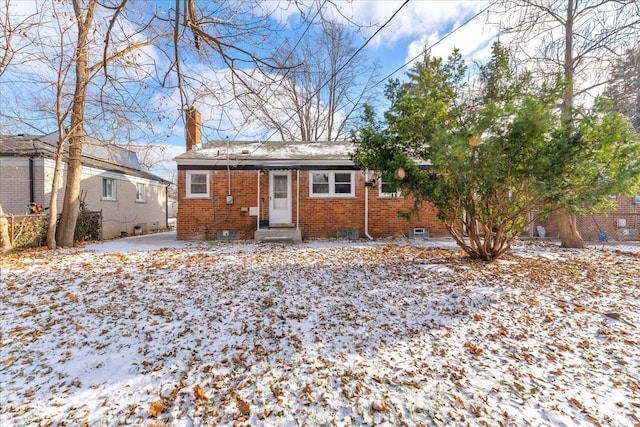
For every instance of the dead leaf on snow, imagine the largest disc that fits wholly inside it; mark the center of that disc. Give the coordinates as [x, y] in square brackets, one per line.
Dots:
[576, 403]
[198, 392]
[243, 406]
[156, 408]
[9, 360]
[473, 348]
[379, 406]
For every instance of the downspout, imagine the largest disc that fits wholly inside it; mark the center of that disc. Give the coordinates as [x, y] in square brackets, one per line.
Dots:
[366, 205]
[259, 213]
[228, 169]
[298, 200]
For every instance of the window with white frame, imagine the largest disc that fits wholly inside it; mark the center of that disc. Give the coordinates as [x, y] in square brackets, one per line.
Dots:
[197, 184]
[108, 188]
[140, 192]
[386, 188]
[331, 184]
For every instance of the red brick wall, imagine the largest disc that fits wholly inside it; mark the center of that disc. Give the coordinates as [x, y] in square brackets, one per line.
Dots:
[319, 217]
[590, 225]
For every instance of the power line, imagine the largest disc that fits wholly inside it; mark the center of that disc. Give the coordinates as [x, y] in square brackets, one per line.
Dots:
[433, 45]
[333, 76]
[304, 33]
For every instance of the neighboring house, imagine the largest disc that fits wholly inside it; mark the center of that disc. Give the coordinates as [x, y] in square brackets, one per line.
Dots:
[620, 224]
[258, 189]
[112, 182]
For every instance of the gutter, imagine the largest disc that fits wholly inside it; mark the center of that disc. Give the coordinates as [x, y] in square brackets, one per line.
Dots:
[366, 205]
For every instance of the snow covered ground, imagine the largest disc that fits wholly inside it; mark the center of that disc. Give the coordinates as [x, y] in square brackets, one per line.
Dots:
[323, 333]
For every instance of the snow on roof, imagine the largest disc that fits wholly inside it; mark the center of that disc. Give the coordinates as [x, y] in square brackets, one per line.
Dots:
[259, 151]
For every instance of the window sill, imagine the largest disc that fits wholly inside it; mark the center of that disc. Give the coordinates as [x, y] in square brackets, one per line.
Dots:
[141, 201]
[109, 199]
[333, 196]
[197, 196]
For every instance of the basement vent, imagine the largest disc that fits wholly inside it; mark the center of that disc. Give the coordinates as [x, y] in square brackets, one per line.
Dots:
[227, 235]
[636, 200]
[348, 233]
[419, 232]
[153, 226]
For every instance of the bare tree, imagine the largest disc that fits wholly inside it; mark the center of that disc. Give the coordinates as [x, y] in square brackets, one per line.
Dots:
[318, 96]
[62, 112]
[85, 19]
[578, 40]
[11, 29]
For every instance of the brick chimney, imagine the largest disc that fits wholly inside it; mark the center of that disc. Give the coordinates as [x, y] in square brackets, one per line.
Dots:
[193, 128]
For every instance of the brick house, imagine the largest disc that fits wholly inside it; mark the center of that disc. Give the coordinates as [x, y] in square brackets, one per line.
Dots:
[258, 189]
[130, 199]
[621, 224]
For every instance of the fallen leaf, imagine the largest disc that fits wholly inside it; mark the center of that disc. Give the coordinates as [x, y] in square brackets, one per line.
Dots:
[243, 406]
[156, 408]
[9, 360]
[576, 403]
[198, 392]
[379, 406]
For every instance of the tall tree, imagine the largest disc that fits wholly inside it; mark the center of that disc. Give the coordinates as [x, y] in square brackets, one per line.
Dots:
[493, 149]
[578, 40]
[11, 29]
[84, 20]
[87, 36]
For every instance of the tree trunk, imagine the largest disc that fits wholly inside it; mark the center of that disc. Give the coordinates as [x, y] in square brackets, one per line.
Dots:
[568, 231]
[70, 207]
[53, 200]
[5, 241]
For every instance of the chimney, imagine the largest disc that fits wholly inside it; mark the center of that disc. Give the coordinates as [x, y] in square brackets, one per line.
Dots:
[193, 128]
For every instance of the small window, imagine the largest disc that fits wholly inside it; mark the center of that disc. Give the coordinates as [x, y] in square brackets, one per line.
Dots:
[320, 183]
[197, 184]
[332, 184]
[342, 183]
[140, 192]
[387, 189]
[108, 188]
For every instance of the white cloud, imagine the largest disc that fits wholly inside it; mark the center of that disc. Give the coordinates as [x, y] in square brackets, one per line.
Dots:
[415, 20]
[473, 40]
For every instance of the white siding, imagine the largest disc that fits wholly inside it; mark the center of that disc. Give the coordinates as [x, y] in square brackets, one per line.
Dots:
[121, 214]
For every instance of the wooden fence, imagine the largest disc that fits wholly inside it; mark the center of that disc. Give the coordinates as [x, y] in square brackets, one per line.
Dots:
[30, 230]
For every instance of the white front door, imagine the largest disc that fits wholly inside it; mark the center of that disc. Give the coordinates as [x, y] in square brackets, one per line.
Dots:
[279, 197]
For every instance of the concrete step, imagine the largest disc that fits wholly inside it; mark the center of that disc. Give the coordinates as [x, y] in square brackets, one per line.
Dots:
[278, 235]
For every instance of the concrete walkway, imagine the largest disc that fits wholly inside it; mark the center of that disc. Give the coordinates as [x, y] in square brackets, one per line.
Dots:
[168, 239]
[146, 242]
[631, 246]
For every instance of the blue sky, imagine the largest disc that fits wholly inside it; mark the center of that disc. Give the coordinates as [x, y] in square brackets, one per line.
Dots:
[418, 24]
